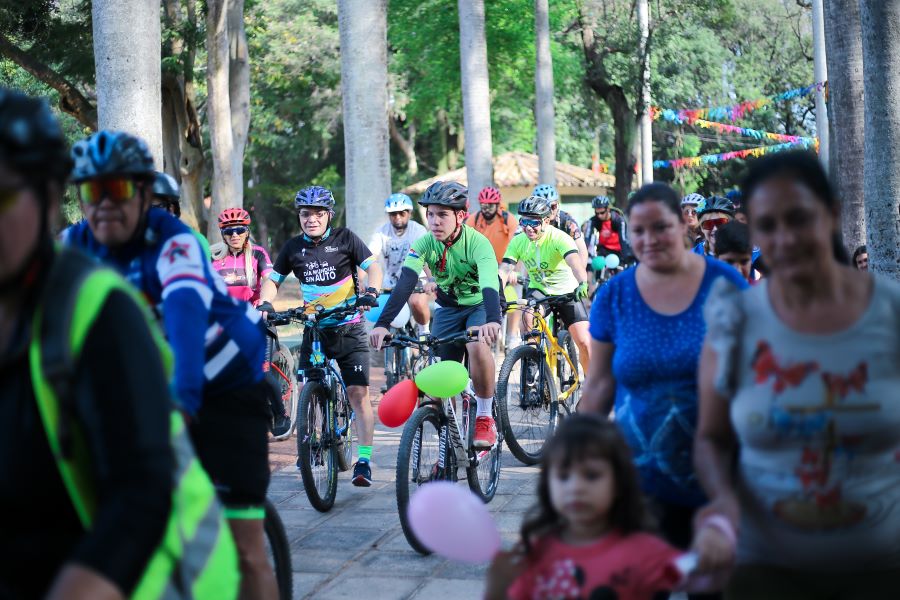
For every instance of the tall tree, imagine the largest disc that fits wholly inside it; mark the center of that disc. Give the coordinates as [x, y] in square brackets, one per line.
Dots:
[843, 44]
[543, 83]
[881, 53]
[228, 104]
[364, 85]
[127, 59]
[476, 98]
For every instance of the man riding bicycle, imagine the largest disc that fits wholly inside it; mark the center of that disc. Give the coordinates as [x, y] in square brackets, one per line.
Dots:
[325, 260]
[465, 274]
[217, 341]
[554, 269]
[605, 232]
[390, 244]
[561, 219]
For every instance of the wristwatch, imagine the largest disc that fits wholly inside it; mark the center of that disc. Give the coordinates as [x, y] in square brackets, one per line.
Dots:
[372, 292]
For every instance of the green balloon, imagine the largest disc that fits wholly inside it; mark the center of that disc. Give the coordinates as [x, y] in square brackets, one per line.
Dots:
[443, 379]
[599, 263]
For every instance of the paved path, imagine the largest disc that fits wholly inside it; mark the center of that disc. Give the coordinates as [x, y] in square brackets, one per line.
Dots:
[357, 550]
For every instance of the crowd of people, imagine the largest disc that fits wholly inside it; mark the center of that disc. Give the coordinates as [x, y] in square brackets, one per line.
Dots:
[739, 402]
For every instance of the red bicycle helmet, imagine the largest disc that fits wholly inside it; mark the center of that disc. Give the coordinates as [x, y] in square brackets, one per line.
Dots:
[489, 195]
[233, 216]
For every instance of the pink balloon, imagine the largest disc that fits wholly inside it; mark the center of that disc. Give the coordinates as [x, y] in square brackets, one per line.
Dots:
[453, 522]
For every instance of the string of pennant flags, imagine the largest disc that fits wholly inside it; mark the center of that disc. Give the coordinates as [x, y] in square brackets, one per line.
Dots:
[747, 132]
[712, 159]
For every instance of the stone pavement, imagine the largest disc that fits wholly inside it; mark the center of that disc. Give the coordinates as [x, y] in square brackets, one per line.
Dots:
[358, 551]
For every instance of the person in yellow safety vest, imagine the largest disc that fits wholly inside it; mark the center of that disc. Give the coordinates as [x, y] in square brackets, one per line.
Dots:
[101, 493]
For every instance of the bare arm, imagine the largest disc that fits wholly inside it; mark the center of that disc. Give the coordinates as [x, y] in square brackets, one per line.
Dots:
[374, 275]
[582, 251]
[507, 271]
[76, 582]
[268, 291]
[599, 389]
[577, 266]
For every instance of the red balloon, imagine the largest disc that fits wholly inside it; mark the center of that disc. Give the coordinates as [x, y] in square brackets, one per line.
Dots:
[398, 403]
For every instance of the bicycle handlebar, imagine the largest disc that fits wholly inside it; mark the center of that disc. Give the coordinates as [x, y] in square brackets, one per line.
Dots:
[531, 302]
[299, 314]
[404, 341]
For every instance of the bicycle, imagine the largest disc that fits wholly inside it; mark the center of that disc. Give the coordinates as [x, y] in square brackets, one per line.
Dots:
[324, 415]
[278, 551]
[527, 398]
[438, 439]
[398, 362]
[279, 368]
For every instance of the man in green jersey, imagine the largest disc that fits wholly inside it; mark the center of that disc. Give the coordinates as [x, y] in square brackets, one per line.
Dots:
[554, 268]
[464, 267]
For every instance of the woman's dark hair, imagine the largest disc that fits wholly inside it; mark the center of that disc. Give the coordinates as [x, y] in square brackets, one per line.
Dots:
[657, 192]
[733, 237]
[802, 166]
[858, 251]
[578, 438]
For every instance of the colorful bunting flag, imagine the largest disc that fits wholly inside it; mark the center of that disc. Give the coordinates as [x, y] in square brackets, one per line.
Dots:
[711, 159]
[732, 113]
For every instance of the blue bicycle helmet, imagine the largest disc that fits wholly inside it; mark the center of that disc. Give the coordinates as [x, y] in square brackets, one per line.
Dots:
[600, 202]
[107, 153]
[716, 204]
[545, 190]
[692, 200]
[314, 196]
[397, 203]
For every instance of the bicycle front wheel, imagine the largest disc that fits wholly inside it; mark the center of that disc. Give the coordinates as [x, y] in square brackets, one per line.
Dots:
[279, 552]
[343, 427]
[418, 462]
[526, 402]
[483, 471]
[566, 375]
[315, 452]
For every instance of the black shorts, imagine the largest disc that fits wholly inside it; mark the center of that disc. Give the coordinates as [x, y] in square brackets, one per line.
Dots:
[231, 437]
[348, 345]
[568, 314]
[453, 319]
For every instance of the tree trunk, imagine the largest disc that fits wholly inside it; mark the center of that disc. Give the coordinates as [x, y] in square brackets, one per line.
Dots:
[127, 57]
[643, 98]
[406, 145]
[881, 53]
[238, 88]
[364, 86]
[846, 115]
[543, 83]
[476, 98]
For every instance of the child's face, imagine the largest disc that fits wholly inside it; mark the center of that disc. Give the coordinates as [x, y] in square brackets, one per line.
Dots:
[739, 261]
[583, 494]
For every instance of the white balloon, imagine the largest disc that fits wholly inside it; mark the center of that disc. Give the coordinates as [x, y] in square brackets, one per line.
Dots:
[402, 318]
[612, 261]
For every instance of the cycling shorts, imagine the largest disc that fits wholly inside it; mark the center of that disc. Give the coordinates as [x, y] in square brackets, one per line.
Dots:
[231, 437]
[453, 319]
[568, 314]
[348, 345]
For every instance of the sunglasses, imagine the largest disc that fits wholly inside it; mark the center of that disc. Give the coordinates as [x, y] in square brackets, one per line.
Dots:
[714, 223]
[230, 231]
[117, 189]
[689, 211]
[532, 223]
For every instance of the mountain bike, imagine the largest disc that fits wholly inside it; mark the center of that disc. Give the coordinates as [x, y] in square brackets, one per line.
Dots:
[528, 402]
[280, 370]
[398, 361]
[438, 439]
[325, 418]
[279, 552]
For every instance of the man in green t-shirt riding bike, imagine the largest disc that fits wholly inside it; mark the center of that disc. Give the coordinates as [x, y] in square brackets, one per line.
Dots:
[464, 267]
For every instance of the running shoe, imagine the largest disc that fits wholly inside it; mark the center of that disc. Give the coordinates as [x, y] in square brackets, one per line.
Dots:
[362, 474]
[485, 433]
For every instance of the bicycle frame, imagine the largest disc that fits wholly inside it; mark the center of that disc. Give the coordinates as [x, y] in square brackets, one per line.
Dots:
[551, 349]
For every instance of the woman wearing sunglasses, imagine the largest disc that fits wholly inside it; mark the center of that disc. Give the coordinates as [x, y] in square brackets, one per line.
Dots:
[242, 264]
[712, 213]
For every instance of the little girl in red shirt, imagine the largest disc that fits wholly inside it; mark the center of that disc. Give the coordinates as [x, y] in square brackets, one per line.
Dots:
[586, 538]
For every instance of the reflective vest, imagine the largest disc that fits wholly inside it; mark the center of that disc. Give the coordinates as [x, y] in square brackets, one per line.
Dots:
[196, 557]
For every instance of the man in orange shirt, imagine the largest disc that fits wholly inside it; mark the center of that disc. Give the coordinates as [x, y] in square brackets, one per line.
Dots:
[497, 225]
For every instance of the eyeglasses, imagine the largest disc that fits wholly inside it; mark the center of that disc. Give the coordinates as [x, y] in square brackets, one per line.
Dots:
[714, 223]
[532, 223]
[689, 211]
[117, 189]
[310, 214]
[602, 210]
[230, 231]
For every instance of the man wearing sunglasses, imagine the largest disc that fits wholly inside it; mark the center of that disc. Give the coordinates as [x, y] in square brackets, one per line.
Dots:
[554, 269]
[712, 213]
[605, 231]
[218, 341]
[561, 219]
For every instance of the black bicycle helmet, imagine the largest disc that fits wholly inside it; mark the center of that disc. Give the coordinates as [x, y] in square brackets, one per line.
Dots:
[715, 204]
[31, 140]
[600, 202]
[535, 206]
[165, 186]
[314, 196]
[111, 153]
[446, 193]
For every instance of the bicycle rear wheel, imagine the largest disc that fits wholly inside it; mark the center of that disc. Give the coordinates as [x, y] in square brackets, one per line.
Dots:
[279, 552]
[418, 462]
[284, 373]
[526, 403]
[315, 451]
[343, 427]
[483, 471]
[566, 376]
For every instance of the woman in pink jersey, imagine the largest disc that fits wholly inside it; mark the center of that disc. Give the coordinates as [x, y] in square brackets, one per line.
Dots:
[243, 265]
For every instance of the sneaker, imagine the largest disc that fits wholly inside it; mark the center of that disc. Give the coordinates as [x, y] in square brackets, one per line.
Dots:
[362, 474]
[485, 432]
[282, 426]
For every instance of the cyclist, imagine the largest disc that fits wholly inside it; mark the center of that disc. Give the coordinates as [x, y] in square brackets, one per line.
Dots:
[605, 232]
[714, 212]
[167, 196]
[553, 267]
[218, 343]
[325, 260]
[242, 264]
[467, 282]
[689, 206]
[390, 244]
[561, 219]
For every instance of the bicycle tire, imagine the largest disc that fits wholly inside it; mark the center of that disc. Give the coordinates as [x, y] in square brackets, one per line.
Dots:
[473, 475]
[280, 552]
[547, 398]
[405, 455]
[390, 378]
[343, 418]
[565, 372]
[284, 360]
[313, 436]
